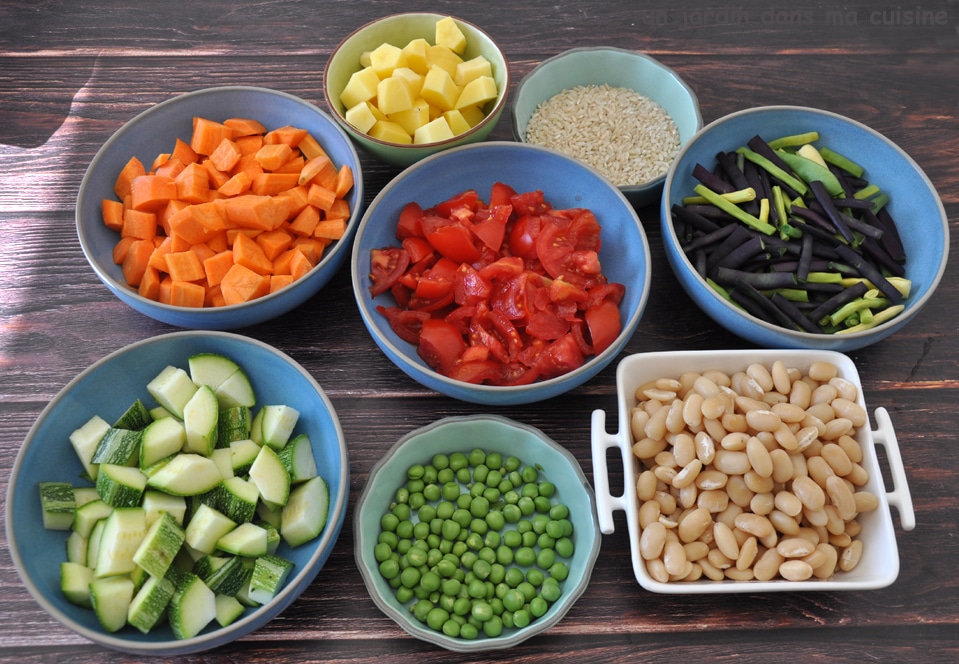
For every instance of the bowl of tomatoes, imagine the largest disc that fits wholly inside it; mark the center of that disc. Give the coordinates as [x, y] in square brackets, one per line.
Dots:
[501, 273]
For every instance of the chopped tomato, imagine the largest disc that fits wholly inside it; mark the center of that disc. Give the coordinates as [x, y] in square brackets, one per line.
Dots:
[410, 222]
[386, 267]
[501, 194]
[604, 325]
[466, 199]
[441, 344]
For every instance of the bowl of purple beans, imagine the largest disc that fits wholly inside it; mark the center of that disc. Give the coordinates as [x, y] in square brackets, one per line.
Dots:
[795, 227]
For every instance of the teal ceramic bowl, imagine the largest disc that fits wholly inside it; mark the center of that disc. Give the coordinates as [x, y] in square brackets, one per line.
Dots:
[399, 30]
[490, 433]
[153, 132]
[107, 388]
[618, 68]
[913, 203]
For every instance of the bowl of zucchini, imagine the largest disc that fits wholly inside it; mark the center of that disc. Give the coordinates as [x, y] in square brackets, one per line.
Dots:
[201, 483]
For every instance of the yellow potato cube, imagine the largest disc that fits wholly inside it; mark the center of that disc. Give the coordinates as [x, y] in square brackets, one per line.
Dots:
[415, 54]
[442, 56]
[439, 89]
[385, 58]
[457, 122]
[393, 95]
[414, 118]
[360, 87]
[472, 69]
[477, 92]
[449, 34]
[472, 114]
[412, 79]
[361, 116]
[391, 132]
[365, 59]
[433, 131]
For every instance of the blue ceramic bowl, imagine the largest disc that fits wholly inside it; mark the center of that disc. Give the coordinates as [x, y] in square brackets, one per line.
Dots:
[490, 433]
[399, 30]
[153, 132]
[107, 388]
[618, 68]
[914, 204]
[566, 183]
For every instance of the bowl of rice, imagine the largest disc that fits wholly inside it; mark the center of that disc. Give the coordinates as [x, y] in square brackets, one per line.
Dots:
[621, 112]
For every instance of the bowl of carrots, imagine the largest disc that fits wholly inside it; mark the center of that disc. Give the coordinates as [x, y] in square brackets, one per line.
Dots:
[221, 208]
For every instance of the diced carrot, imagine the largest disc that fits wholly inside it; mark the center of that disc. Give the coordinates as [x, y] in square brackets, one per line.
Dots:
[217, 177]
[171, 208]
[320, 197]
[183, 152]
[273, 155]
[300, 265]
[151, 192]
[193, 184]
[249, 254]
[158, 257]
[272, 184]
[207, 135]
[136, 261]
[280, 281]
[274, 242]
[241, 284]
[121, 248]
[287, 135]
[310, 147]
[294, 165]
[323, 172]
[249, 144]
[226, 155]
[245, 126]
[214, 298]
[236, 185]
[112, 214]
[138, 224]
[150, 284]
[314, 167]
[249, 165]
[160, 160]
[170, 169]
[184, 266]
[187, 294]
[344, 181]
[124, 182]
[202, 251]
[218, 242]
[331, 229]
[281, 265]
[233, 232]
[304, 223]
[165, 284]
[339, 210]
[217, 266]
[196, 223]
[257, 212]
[298, 199]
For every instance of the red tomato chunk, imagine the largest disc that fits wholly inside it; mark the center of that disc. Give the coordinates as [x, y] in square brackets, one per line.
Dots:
[503, 294]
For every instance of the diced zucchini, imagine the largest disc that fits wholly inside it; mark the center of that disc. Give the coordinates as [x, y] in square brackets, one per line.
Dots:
[225, 575]
[160, 545]
[159, 411]
[223, 458]
[75, 581]
[122, 533]
[247, 540]
[234, 424]
[200, 417]
[269, 575]
[161, 438]
[206, 527]
[278, 424]
[85, 441]
[139, 576]
[136, 417]
[186, 475]
[237, 499]
[57, 504]
[243, 454]
[192, 607]
[228, 609]
[84, 495]
[93, 543]
[120, 486]
[118, 446]
[156, 502]
[236, 391]
[256, 427]
[150, 603]
[297, 457]
[111, 598]
[172, 388]
[306, 512]
[270, 477]
[211, 369]
[87, 516]
[273, 538]
[77, 548]
[269, 514]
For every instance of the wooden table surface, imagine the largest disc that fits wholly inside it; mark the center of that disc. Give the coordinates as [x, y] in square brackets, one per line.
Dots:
[71, 73]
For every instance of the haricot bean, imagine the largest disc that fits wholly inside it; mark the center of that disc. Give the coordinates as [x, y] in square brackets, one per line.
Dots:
[754, 475]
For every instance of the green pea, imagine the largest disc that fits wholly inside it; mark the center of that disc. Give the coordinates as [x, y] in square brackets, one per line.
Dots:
[404, 529]
[404, 594]
[476, 589]
[476, 457]
[417, 500]
[526, 505]
[451, 491]
[474, 541]
[493, 478]
[555, 529]
[539, 523]
[504, 554]
[459, 548]
[567, 527]
[521, 618]
[491, 494]
[524, 526]
[451, 628]
[545, 558]
[445, 475]
[416, 556]
[547, 488]
[482, 611]
[464, 476]
[450, 587]
[421, 609]
[482, 569]
[559, 511]
[550, 589]
[480, 472]
[458, 460]
[479, 526]
[450, 529]
[390, 568]
[512, 463]
[507, 618]
[529, 490]
[524, 556]
[436, 525]
[479, 507]
[433, 557]
[463, 517]
[403, 545]
[492, 539]
[429, 474]
[511, 497]
[415, 486]
[529, 539]
[426, 513]
[559, 570]
[446, 602]
[538, 606]
[468, 558]
[497, 572]
[564, 547]
[445, 509]
[495, 520]
[436, 542]
[388, 522]
[445, 568]
[505, 486]
[535, 576]
[389, 538]
[515, 477]
[528, 590]
[410, 577]
[542, 504]
[402, 495]
[477, 489]
[512, 513]
[382, 551]
[463, 501]
[529, 474]
[462, 606]
[432, 492]
[415, 472]
[469, 632]
[513, 600]
[396, 582]
[512, 539]
[440, 461]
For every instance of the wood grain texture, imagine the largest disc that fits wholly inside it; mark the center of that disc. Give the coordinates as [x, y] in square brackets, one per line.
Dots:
[72, 73]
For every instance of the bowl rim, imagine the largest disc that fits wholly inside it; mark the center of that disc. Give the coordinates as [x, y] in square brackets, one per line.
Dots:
[716, 299]
[491, 117]
[570, 595]
[294, 586]
[629, 326]
[693, 99]
[228, 309]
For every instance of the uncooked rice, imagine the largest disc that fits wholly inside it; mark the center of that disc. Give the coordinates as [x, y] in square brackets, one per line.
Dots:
[626, 136]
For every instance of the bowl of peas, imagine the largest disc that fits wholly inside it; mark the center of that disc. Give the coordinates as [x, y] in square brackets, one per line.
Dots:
[476, 533]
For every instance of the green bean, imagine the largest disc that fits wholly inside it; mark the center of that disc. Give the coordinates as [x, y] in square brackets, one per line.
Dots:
[734, 210]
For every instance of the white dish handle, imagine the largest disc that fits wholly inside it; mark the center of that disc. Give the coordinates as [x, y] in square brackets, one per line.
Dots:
[606, 503]
[900, 497]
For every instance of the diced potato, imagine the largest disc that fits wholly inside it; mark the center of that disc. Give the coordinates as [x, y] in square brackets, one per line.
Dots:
[413, 80]
[472, 114]
[385, 58]
[449, 34]
[393, 95]
[457, 122]
[439, 89]
[477, 92]
[360, 87]
[435, 130]
[415, 53]
[365, 59]
[387, 130]
[443, 57]
[472, 69]
[414, 118]
[361, 116]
